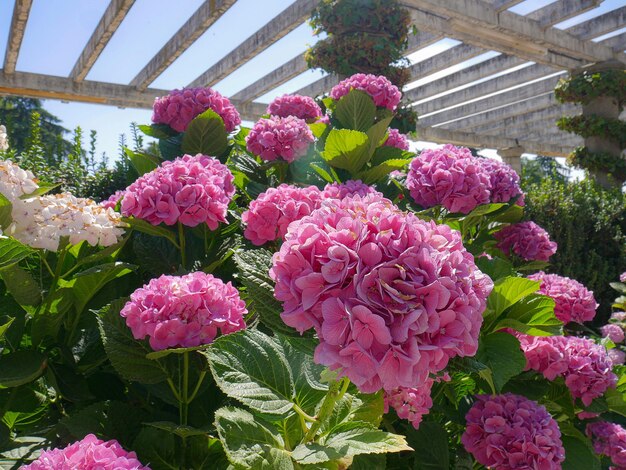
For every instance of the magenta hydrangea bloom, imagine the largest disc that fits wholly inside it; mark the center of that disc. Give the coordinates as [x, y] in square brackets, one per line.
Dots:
[609, 439]
[349, 188]
[280, 138]
[622, 277]
[617, 356]
[113, 199]
[384, 93]
[585, 365]
[302, 107]
[410, 403]
[526, 240]
[396, 139]
[614, 332]
[391, 297]
[574, 303]
[512, 432]
[189, 190]
[90, 453]
[448, 176]
[180, 107]
[270, 214]
[184, 311]
[505, 182]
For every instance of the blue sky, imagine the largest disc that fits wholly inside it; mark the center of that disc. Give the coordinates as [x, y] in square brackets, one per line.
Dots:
[57, 30]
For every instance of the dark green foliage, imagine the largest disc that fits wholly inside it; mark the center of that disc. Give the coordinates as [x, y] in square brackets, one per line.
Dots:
[594, 125]
[586, 86]
[589, 225]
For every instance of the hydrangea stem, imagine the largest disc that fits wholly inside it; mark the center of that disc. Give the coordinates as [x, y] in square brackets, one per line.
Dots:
[181, 243]
[333, 395]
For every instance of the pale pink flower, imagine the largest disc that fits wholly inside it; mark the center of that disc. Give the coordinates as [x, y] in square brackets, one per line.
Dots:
[614, 332]
[384, 93]
[302, 107]
[349, 188]
[526, 240]
[618, 316]
[410, 403]
[275, 138]
[113, 199]
[396, 139]
[617, 356]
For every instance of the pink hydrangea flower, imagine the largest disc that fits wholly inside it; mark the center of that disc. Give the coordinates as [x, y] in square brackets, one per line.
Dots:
[609, 439]
[617, 356]
[396, 139]
[585, 365]
[349, 188]
[391, 297]
[189, 190]
[90, 453]
[384, 93]
[270, 214]
[618, 316]
[302, 107]
[410, 403]
[622, 277]
[449, 176]
[614, 332]
[180, 107]
[504, 181]
[526, 240]
[113, 199]
[512, 432]
[184, 311]
[574, 303]
[280, 138]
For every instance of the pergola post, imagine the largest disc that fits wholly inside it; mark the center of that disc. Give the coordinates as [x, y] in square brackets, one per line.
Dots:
[512, 156]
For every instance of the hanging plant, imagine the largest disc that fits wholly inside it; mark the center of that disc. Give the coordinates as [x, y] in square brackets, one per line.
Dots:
[594, 125]
[586, 86]
[581, 157]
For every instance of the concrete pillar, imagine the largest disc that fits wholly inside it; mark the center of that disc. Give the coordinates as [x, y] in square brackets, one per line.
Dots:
[513, 157]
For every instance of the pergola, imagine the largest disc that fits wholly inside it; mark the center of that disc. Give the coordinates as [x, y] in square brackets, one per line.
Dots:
[505, 102]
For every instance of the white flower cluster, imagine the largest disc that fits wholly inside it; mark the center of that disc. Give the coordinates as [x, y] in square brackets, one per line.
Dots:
[41, 221]
[4, 140]
[15, 182]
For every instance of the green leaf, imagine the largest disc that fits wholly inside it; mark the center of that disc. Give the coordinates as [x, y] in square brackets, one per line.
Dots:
[578, 455]
[250, 442]
[44, 188]
[12, 252]
[158, 448]
[495, 268]
[170, 148]
[616, 401]
[21, 367]
[252, 368]
[318, 129]
[178, 429]
[5, 212]
[533, 315]
[533, 266]
[142, 162]
[502, 354]
[430, 443]
[4, 327]
[618, 286]
[508, 291]
[154, 230]
[356, 111]
[158, 131]
[127, 355]
[206, 134]
[166, 352]
[346, 149]
[377, 173]
[385, 153]
[322, 172]
[377, 133]
[485, 209]
[511, 215]
[21, 285]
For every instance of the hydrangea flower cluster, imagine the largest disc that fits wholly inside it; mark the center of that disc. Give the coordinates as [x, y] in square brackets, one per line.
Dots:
[90, 453]
[113, 199]
[585, 365]
[184, 311]
[41, 221]
[15, 182]
[180, 107]
[505, 182]
[410, 403]
[4, 139]
[526, 240]
[280, 138]
[617, 356]
[613, 331]
[302, 107]
[512, 432]
[574, 303]
[189, 190]
[449, 176]
[396, 139]
[270, 214]
[609, 439]
[391, 297]
[618, 316]
[384, 93]
[349, 188]
[622, 277]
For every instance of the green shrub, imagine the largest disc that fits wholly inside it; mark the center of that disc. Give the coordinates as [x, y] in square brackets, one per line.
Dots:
[589, 225]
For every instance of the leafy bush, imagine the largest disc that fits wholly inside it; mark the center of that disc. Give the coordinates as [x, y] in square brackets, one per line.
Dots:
[589, 225]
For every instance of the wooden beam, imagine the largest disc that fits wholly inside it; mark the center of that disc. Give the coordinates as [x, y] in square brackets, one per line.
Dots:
[562, 138]
[501, 5]
[285, 22]
[561, 10]
[207, 14]
[600, 25]
[502, 126]
[448, 58]
[275, 78]
[21, 10]
[617, 43]
[108, 24]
